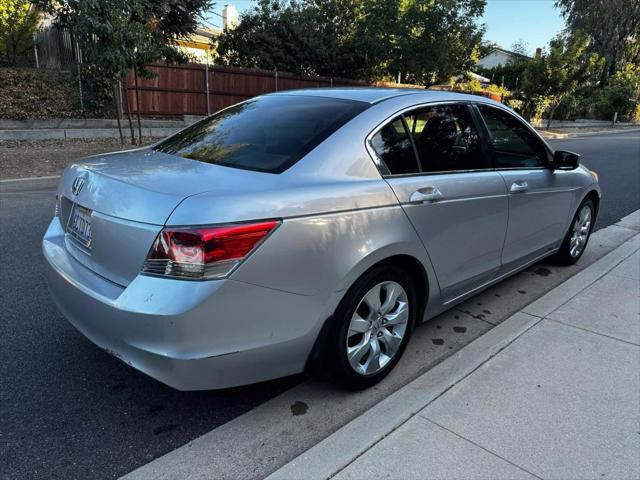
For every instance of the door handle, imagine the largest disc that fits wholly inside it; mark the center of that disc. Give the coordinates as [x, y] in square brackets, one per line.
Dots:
[426, 194]
[519, 186]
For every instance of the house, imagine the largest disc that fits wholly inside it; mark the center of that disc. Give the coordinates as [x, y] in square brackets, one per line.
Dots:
[201, 45]
[498, 57]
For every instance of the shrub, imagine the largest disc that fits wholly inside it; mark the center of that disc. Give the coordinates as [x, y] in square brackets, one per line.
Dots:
[574, 106]
[511, 73]
[469, 84]
[621, 94]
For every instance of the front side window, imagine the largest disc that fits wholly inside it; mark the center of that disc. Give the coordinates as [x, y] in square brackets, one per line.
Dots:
[513, 144]
[393, 146]
[446, 138]
[267, 134]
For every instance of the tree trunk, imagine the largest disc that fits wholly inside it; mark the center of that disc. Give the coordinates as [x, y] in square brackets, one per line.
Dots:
[552, 113]
[116, 105]
[135, 80]
[128, 111]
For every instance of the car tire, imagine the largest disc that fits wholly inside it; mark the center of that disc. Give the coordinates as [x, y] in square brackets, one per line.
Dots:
[366, 343]
[576, 239]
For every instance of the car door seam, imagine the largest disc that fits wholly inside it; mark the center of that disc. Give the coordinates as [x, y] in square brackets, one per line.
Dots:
[506, 230]
[415, 231]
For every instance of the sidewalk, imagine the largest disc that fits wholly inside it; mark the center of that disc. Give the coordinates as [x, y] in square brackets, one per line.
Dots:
[553, 392]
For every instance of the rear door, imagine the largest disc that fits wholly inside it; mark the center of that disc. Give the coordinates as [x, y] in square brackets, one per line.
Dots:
[435, 164]
[539, 197]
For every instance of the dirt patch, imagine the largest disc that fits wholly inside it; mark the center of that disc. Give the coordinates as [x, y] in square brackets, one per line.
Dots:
[49, 157]
[35, 93]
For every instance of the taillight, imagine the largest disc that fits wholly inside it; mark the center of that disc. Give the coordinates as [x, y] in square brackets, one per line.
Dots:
[204, 252]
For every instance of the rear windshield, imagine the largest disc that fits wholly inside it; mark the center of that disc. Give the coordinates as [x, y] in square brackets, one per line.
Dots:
[267, 134]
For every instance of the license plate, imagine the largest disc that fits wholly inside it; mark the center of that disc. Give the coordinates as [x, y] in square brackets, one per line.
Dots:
[80, 225]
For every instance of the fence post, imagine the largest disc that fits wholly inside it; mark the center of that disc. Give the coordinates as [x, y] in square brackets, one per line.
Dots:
[331, 82]
[79, 70]
[206, 85]
[35, 49]
[275, 76]
[135, 82]
[120, 99]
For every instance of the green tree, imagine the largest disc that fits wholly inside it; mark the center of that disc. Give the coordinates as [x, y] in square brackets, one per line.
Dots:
[369, 39]
[343, 38]
[119, 35]
[521, 47]
[439, 39]
[486, 47]
[621, 94]
[613, 27]
[18, 23]
[509, 75]
[548, 80]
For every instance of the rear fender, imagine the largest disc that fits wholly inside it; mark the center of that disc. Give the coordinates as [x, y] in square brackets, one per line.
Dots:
[325, 254]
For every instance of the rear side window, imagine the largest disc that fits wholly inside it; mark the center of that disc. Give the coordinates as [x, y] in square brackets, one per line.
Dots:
[446, 138]
[267, 134]
[513, 144]
[393, 146]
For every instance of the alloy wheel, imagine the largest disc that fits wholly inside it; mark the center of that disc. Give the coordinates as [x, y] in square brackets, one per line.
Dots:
[580, 231]
[377, 328]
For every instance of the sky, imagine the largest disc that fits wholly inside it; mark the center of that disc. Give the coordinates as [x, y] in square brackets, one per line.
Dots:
[507, 21]
[534, 21]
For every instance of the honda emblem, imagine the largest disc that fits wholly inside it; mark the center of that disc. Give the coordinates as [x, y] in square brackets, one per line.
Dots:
[78, 183]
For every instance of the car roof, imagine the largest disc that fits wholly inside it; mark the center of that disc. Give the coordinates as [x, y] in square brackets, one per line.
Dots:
[374, 95]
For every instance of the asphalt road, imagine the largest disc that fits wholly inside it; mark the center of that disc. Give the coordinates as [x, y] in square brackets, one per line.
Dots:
[69, 410]
[616, 159]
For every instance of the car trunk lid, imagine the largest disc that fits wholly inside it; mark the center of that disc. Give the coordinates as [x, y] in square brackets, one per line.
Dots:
[126, 198]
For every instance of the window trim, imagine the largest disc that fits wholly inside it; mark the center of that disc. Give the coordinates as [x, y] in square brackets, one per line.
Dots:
[413, 143]
[486, 135]
[384, 170]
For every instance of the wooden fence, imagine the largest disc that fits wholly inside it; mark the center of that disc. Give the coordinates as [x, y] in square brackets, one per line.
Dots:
[195, 89]
[55, 48]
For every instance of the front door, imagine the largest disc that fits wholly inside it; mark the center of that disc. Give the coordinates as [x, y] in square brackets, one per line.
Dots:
[457, 205]
[539, 197]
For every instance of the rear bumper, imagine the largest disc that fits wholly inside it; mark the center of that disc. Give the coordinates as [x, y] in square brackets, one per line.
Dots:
[189, 335]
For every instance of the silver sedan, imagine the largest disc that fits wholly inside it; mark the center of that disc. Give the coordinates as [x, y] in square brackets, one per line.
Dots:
[307, 229]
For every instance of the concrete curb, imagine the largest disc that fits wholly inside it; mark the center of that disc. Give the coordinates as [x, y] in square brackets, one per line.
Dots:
[566, 291]
[81, 133]
[86, 128]
[26, 186]
[29, 179]
[340, 449]
[559, 136]
[69, 123]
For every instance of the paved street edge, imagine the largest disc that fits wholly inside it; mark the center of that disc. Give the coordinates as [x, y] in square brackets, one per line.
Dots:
[339, 450]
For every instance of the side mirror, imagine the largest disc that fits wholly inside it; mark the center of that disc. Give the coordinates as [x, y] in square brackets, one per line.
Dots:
[563, 160]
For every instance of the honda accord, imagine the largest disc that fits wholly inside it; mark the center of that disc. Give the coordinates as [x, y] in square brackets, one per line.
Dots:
[307, 229]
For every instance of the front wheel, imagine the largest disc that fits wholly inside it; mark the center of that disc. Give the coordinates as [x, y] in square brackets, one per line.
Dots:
[578, 235]
[371, 328]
